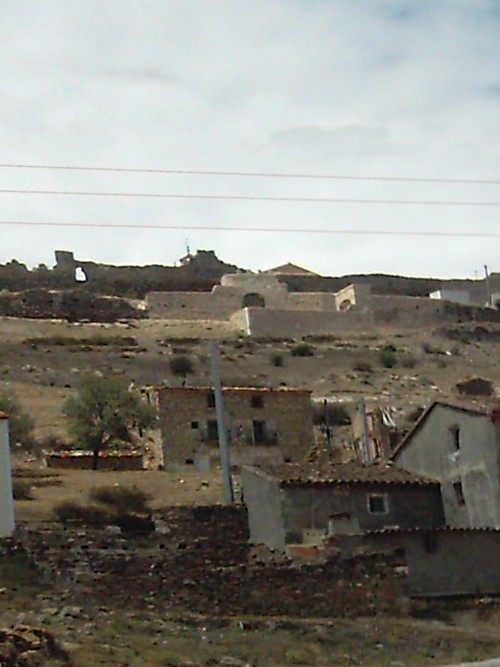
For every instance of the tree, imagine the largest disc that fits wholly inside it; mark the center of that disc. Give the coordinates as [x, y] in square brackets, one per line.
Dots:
[105, 413]
[20, 423]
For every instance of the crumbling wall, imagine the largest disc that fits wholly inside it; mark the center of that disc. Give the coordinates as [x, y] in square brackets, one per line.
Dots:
[70, 305]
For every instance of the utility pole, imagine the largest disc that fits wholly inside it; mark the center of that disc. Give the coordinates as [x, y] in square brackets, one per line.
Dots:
[364, 429]
[225, 459]
[328, 431]
[488, 286]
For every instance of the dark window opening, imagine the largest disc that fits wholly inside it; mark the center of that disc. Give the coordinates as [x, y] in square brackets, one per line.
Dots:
[378, 504]
[212, 430]
[189, 462]
[259, 432]
[459, 493]
[211, 400]
[455, 437]
[194, 424]
[257, 402]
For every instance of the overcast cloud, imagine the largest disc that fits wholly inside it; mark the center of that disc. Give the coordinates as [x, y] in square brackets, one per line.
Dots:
[355, 87]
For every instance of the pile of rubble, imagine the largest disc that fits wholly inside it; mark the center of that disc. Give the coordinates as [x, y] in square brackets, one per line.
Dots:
[199, 559]
[25, 646]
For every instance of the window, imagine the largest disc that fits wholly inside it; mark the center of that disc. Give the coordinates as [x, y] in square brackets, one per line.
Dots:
[455, 437]
[211, 400]
[257, 402]
[212, 430]
[378, 503]
[194, 425]
[259, 432]
[459, 493]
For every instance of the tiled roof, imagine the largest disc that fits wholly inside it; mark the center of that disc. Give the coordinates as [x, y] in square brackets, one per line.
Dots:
[249, 390]
[442, 529]
[292, 270]
[473, 410]
[295, 474]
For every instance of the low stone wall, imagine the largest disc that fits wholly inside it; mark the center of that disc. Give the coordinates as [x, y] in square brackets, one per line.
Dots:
[296, 324]
[83, 461]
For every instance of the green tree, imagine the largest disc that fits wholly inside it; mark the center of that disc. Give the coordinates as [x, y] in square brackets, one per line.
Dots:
[104, 413]
[20, 423]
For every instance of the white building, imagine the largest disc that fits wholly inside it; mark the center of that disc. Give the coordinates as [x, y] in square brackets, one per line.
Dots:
[453, 295]
[6, 497]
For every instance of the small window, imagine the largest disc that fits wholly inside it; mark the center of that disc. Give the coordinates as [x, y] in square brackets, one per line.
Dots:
[189, 462]
[211, 400]
[378, 503]
[194, 425]
[212, 430]
[459, 493]
[455, 437]
[257, 402]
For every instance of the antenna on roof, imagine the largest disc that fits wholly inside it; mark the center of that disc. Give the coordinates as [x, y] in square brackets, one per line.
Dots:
[188, 249]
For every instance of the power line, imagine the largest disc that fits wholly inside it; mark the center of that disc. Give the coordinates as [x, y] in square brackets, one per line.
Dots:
[252, 174]
[274, 230]
[304, 200]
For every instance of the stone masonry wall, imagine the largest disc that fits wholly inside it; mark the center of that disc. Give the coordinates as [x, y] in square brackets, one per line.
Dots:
[188, 438]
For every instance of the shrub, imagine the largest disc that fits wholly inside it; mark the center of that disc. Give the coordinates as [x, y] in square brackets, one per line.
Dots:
[387, 358]
[362, 366]
[409, 361]
[302, 350]
[181, 365]
[389, 347]
[21, 490]
[427, 348]
[122, 499]
[277, 359]
[337, 414]
[20, 423]
[69, 511]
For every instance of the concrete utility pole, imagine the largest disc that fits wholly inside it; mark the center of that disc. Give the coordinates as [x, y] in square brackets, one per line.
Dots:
[328, 430]
[225, 458]
[6, 496]
[488, 286]
[364, 429]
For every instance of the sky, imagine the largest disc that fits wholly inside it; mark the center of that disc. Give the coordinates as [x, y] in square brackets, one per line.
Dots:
[358, 88]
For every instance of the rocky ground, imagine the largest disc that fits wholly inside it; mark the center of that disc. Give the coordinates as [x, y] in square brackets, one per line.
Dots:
[114, 619]
[402, 369]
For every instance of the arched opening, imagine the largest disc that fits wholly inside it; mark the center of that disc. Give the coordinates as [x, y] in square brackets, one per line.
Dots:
[80, 275]
[253, 300]
[497, 304]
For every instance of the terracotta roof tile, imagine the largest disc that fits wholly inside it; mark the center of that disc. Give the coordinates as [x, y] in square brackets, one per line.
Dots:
[295, 474]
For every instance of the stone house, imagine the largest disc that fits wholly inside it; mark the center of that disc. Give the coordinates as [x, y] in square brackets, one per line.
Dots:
[294, 504]
[459, 446]
[6, 497]
[263, 425]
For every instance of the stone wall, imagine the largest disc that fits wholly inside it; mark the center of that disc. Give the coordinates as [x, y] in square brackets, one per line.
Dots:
[442, 562]
[189, 431]
[72, 305]
[297, 323]
[83, 461]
